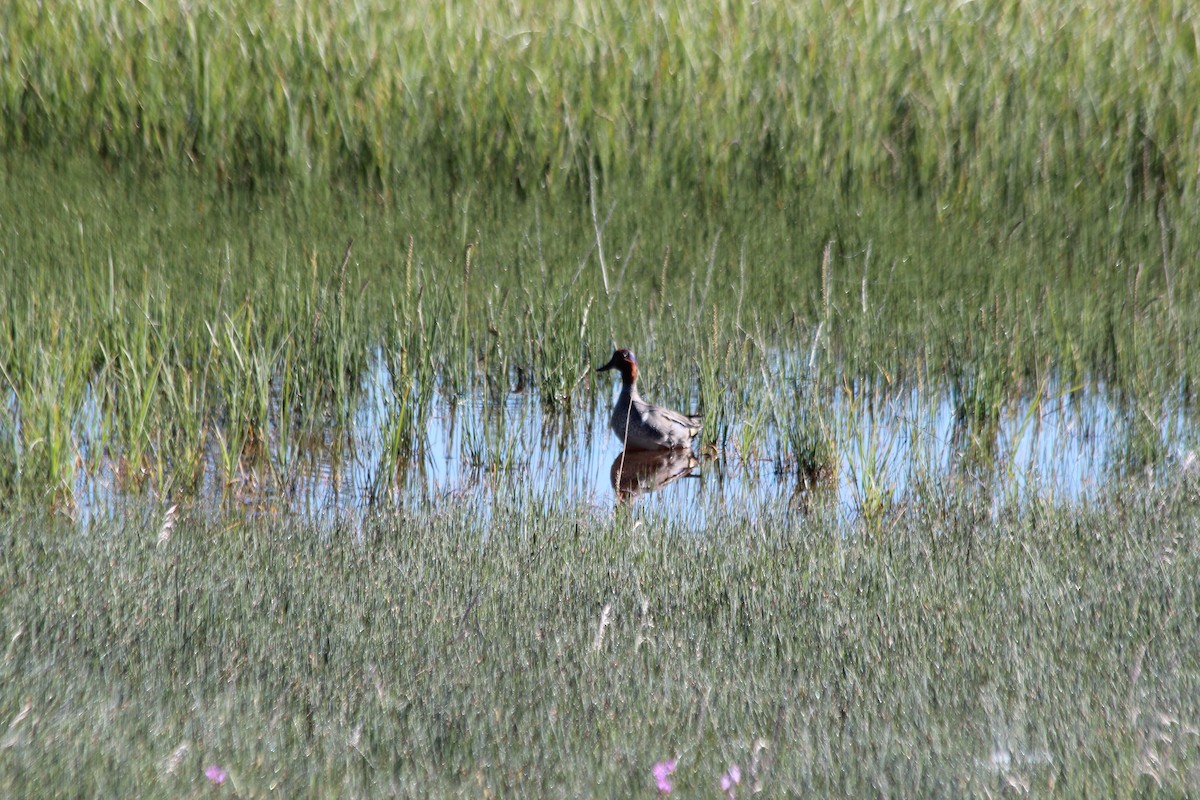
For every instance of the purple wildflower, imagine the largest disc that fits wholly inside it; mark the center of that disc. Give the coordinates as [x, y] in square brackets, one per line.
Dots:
[731, 779]
[661, 770]
[216, 774]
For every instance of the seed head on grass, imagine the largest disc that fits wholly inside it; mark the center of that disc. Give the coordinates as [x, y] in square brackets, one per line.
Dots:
[168, 524]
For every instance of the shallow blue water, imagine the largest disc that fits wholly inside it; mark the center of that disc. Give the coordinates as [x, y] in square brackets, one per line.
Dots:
[900, 448]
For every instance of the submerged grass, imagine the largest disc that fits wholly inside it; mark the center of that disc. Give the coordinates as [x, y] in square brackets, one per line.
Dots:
[979, 104]
[547, 651]
[242, 325]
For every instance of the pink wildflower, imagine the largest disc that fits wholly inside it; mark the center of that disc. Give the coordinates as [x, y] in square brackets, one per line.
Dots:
[661, 770]
[731, 779]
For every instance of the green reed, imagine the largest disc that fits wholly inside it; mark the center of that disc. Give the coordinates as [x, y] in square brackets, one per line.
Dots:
[134, 355]
[185, 389]
[410, 401]
[231, 318]
[977, 104]
[45, 387]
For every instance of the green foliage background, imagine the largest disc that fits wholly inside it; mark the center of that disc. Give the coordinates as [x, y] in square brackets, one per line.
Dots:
[971, 102]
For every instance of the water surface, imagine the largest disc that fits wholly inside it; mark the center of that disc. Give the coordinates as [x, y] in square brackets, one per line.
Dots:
[896, 448]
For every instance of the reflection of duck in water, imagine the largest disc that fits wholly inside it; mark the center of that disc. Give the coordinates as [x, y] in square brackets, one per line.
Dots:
[641, 425]
[635, 472]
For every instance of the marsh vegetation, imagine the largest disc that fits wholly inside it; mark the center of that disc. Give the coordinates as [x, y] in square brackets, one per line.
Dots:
[305, 468]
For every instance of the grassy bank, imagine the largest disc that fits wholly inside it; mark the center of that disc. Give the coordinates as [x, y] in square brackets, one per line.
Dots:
[976, 104]
[448, 653]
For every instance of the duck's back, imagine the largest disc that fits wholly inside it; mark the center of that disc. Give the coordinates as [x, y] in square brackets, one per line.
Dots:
[643, 426]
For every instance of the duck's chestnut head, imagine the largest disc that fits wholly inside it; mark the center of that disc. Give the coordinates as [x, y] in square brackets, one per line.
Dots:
[624, 362]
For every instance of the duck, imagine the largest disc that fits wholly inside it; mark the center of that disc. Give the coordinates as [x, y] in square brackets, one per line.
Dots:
[641, 425]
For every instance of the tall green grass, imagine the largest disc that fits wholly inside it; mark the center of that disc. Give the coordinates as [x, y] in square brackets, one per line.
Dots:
[975, 104]
[543, 651]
